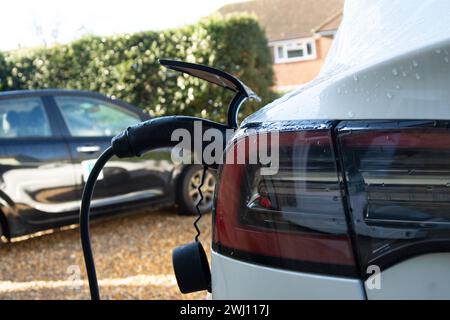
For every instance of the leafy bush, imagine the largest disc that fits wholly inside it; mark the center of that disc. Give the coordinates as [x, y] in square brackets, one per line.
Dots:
[126, 66]
[4, 73]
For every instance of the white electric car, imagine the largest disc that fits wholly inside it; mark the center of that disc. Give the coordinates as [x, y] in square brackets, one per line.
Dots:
[360, 205]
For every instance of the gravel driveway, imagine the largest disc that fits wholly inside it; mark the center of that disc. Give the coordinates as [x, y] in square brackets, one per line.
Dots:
[132, 255]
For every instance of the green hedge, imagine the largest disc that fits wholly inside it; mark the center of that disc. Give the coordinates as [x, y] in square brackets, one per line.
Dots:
[127, 66]
[5, 73]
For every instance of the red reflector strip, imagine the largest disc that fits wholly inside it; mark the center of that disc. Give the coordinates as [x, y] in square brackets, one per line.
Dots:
[409, 138]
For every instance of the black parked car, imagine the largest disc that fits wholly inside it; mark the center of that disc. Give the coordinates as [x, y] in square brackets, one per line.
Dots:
[49, 140]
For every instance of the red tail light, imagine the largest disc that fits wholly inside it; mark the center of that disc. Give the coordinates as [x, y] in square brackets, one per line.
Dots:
[398, 179]
[391, 179]
[293, 219]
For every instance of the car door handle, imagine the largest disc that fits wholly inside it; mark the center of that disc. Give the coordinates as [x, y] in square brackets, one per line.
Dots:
[88, 149]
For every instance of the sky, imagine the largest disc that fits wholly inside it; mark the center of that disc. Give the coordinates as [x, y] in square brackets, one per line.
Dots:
[28, 23]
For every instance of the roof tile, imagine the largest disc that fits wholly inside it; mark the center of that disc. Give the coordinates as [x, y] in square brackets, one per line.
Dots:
[288, 19]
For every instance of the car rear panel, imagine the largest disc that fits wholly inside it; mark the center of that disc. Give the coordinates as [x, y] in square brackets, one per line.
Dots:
[385, 107]
[234, 279]
[348, 197]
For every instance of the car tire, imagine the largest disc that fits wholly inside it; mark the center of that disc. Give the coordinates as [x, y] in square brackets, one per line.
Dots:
[1, 231]
[187, 190]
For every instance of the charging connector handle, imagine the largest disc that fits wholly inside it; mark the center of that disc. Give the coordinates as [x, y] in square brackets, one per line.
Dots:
[157, 133]
[152, 134]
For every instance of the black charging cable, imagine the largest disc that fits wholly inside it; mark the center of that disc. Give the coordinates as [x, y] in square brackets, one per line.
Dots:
[197, 206]
[133, 142]
[84, 221]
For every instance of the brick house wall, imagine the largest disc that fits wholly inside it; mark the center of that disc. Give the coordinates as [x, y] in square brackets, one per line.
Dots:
[299, 32]
[291, 74]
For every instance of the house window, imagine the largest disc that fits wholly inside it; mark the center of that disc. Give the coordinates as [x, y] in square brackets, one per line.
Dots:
[294, 50]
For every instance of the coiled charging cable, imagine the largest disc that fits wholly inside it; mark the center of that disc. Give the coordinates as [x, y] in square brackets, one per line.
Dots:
[197, 206]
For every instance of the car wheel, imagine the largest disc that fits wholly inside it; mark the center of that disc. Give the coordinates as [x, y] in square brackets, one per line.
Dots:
[188, 194]
[2, 235]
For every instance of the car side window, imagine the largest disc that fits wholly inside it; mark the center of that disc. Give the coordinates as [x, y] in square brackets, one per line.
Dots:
[23, 117]
[87, 117]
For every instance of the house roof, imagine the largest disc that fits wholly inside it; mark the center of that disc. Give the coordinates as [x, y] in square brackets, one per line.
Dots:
[288, 19]
[332, 23]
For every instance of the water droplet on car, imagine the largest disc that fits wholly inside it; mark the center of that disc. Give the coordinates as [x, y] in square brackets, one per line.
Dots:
[446, 60]
[389, 95]
[415, 64]
[395, 72]
[438, 51]
[417, 76]
[404, 74]
[397, 87]
[350, 114]
[355, 77]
